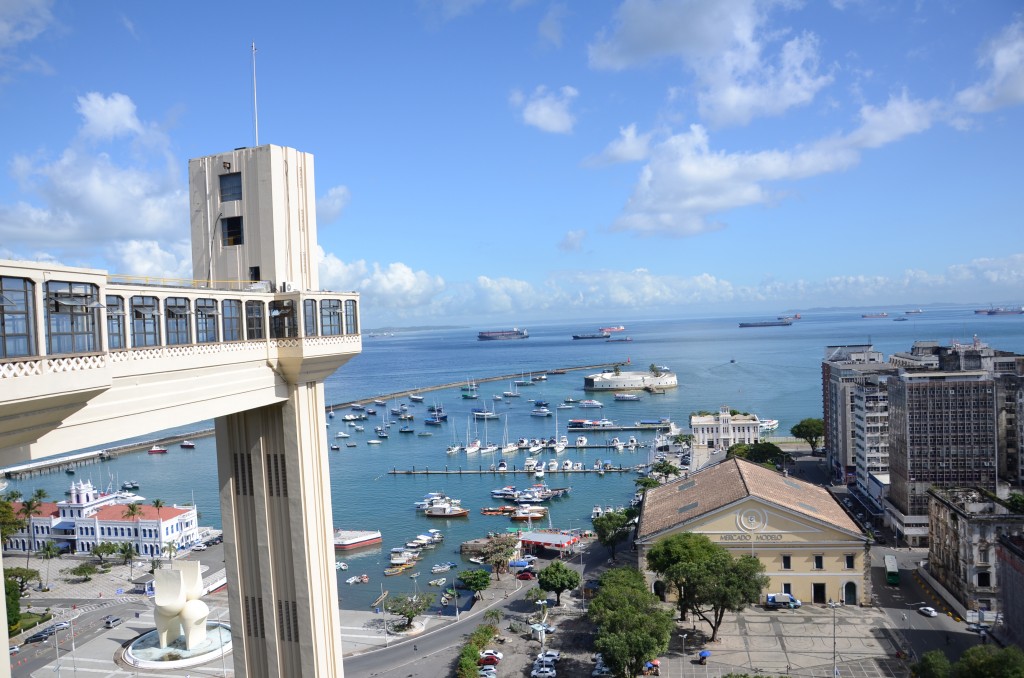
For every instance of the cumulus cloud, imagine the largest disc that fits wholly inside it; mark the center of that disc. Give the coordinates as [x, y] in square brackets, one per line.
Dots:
[550, 27]
[573, 240]
[151, 258]
[115, 182]
[628, 147]
[330, 205]
[388, 287]
[686, 183]
[547, 110]
[22, 21]
[741, 72]
[1003, 56]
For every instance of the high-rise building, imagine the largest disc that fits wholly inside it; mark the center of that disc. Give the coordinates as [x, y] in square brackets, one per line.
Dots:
[871, 430]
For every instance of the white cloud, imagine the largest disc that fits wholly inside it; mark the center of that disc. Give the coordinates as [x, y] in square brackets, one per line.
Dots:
[545, 110]
[726, 45]
[686, 183]
[1004, 55]
[550, 27]
[23, 21]
[629, 147]
[390, 287]
[150, 258]
[115, 182]
[330, 205]
[448, 10]
[573, 240]
[129, 26]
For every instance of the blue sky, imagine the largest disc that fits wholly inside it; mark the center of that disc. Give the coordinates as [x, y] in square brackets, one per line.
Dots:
[515, 161]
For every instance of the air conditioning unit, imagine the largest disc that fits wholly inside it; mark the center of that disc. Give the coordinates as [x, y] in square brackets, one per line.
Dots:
[286, 286]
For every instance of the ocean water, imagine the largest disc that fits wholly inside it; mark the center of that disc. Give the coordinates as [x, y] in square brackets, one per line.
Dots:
[773, 372]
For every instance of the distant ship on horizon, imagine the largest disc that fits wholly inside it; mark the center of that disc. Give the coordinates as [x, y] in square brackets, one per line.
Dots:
[497, 335]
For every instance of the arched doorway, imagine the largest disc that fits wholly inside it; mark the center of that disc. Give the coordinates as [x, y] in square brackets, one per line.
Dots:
[660, 588]
[850, 593]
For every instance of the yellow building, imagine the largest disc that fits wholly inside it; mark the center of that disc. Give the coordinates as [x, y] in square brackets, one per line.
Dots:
[810, 547]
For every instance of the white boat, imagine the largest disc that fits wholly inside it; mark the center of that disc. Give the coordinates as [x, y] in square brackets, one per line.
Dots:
[360, 429]
[446, 510]
[496, 397]
[590, 403]
[567, 465]
[578, 466]
[340, 565]
[597, 512]
[373, 441]
[538, 472]
[627, 396]
[563, 406]
[769, 425]
[581, 441]
[508, 447]
[617, 444]
[502, 465]
[540, 412]
[536, 445]
[530, 464]
[553, 465]
[438, 582]
[342, 434]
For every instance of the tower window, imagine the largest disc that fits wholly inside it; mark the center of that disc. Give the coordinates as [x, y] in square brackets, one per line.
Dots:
[231, 231]
[231, 187]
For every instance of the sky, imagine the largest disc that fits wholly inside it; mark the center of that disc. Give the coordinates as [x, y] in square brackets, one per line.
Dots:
[516, 161]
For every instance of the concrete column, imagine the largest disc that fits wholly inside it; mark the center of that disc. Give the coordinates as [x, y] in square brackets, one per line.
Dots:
[278, 537]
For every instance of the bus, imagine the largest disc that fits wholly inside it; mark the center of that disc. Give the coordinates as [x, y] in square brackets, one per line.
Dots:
[892, 571]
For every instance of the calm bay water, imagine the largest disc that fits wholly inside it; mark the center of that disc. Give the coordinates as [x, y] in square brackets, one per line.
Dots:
[773, 372]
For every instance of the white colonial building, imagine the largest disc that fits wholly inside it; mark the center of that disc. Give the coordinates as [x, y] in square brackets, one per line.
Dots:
[725, 429]
[88, 517]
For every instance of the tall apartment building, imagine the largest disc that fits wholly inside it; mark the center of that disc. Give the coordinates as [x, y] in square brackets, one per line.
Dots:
[870, 409]
[843, 370]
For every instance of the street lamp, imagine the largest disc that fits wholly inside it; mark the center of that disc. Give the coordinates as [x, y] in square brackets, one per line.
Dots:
[834, 605]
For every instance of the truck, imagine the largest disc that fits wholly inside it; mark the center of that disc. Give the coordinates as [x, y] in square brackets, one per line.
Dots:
[776, 600]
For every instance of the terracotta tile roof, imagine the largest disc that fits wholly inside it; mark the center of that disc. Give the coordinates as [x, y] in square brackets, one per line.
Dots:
[46, 508]
[682, 500]
[116, 512]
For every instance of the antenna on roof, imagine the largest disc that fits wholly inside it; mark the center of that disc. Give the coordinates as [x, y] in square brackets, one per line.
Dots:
[255, 113]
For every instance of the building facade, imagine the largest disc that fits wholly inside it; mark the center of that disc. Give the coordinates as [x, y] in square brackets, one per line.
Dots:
[870, 410]
[809, 545]
[721, 431]
[89, 517]
[966, 525]
[1010, 560]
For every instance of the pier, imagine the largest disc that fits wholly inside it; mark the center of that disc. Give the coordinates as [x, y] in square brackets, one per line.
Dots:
[427, 471]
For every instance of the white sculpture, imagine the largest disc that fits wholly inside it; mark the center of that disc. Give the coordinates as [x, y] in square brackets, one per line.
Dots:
[179, 612]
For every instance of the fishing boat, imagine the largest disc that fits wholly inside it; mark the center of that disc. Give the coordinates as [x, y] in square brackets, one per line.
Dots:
[358, 579]
[528, 513]
[415, 397]
[341, 565]
[590, 403]
[443, 567]
[187, 445]
[446, 510]
[156, 449]
[346, 540]
[438, 582]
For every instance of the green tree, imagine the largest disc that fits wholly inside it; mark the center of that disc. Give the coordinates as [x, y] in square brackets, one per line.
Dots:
[1015, 502]
[811, 431]
[558, 578]
[171, 549]
[678, 559]
[85, 571]
[48, 552]
[665, 469]
[127, 552]
[159, 504]
[493, 617]
[22, 576]
[31, 507]
[498, 550]
[10, 524]
[475, 580]
[655, 370]
[104, 549]
[989, 661]
[409, 607]
[759, 453]
[13, 593]
[933, 664]
[611, 528]
[133, 511]
[646, 483]
[632, 627]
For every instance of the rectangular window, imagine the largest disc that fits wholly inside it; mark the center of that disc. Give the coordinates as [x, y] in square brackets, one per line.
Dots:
[72, 315]
[178, 321]
[819, 562]
[206, 321]
[231, 187]
[115, 322]
[309, 317]
[16, 311]
[232, 309]
[283, 322]
[850, 561]
[330, 317]
[145, 313]
[351, 320]
[254, 320]
[787, 589]
[231, 231]
[787, 563]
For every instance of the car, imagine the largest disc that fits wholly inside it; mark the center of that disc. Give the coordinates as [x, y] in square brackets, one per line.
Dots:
[601, 671]
[543, 672]
[597, 658]
[60, 626]
[548, 628]
[39, 637]
[492, 653]
[487, 672]
[15, 649]
[880, 540]
[526, 576]
[978, 628]
[550, 655]
[200, 547]
[488, 659]
[528, 558]
[928, 611]
[112, 622]
[543, 663]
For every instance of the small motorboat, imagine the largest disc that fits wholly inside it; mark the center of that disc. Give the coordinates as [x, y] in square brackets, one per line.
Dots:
[373, 442]
[335, 447]
[187, 445]
[438, 582]
[350, 444]
[340, 565]
[156, 449]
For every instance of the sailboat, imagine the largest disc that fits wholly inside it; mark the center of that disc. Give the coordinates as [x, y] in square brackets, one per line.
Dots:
[560, 441]
[472, 446]
[513, 391]
[506, 446]
[488, 447]
[454, 447]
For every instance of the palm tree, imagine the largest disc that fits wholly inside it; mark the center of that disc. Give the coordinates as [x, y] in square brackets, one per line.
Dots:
[159, 504]
[31, 507]
[133, 511]
[126, 550]
[171, 549]
[48, 551]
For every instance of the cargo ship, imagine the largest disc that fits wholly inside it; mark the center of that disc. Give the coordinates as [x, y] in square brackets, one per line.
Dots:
[769, 323]
[346, 540]
[592, 335]
[883, 314]
[614, 328]
[514, 333]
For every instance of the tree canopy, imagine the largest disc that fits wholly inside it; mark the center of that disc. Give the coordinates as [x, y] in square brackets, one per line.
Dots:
[811, 431]
[611, 528]
[475, 580]
[22, 576]
[409, 607]
[498, 551]
[558, 578]
[708, 581]
[980, 661]
[632, 627]
[759, 453]
[104, 549]
[85, 571]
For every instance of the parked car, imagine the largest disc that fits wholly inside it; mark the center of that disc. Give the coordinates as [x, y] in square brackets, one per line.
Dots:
[928, 611]
[199, 547]
[60, 626]
[488, 659]
[528, 558]
[492, 653]
[38, 637]
[526, 576]
[550, 655]
[547, 627]
[487, 672]
[15, 649]
[112, 622]
[544, 672]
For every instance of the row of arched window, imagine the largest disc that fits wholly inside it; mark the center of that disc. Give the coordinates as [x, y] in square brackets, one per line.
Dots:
[72, 319]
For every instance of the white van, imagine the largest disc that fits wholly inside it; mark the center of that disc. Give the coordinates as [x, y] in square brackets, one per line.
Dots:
[112, 622]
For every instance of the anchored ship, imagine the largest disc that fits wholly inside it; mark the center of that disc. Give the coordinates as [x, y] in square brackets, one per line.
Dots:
[514, 333]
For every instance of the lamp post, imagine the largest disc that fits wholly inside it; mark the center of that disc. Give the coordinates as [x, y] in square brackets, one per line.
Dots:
[834, 605]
